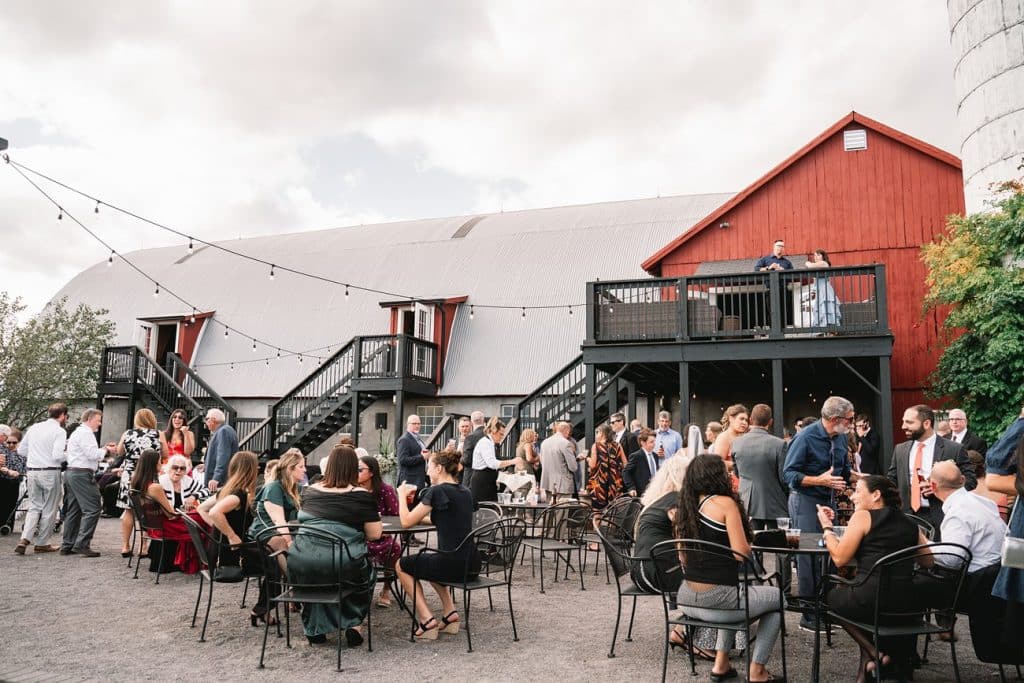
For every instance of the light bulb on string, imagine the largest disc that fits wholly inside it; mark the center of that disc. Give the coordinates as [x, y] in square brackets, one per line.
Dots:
[156, 292]
[268, 362]
[300, 357]
[225, 330]
[97, 209]
[279, 353]
[193, 318]
[254, 346]
[110, 259]
[60, 214]
[271, 272]
[346, 292]
[232, 367]
[471, 311]
[523, 316]
[570, 310]
[191, 248]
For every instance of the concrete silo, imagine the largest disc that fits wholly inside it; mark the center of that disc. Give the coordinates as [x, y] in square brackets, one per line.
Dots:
[988, 48]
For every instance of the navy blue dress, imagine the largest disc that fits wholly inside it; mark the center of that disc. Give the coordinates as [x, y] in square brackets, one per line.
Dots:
[451, 511]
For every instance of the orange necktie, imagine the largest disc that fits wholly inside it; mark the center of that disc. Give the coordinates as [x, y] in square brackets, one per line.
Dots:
[915, 486]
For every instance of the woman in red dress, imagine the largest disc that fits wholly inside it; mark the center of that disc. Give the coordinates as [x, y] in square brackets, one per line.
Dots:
[180, 439]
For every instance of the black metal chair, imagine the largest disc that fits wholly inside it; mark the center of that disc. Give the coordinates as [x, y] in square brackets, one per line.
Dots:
[938, 586]
[624, 511]
[149, 517]
[347, 576]
[618, 549]
[926, 527]
[203, 542]
[559, 530]
[497, 544]
[702, 562]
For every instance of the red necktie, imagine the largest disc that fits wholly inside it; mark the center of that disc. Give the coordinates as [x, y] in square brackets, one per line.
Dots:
[915, 486]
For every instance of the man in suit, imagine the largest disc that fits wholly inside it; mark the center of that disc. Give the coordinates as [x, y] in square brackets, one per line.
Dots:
[222, 447]
[961, 434]
[642, 465]
[412, 467]
[912, 463]
[476, 422]
[759, 457]
[870, 446]
[623, 436]
[558, 461]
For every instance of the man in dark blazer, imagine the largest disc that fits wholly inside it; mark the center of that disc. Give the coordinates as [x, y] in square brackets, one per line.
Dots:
[759, 457]
[870, 446]
[906, 470]
[641, 466]
[959, 433]
[412, 468]
[622, 436]
[476, 419]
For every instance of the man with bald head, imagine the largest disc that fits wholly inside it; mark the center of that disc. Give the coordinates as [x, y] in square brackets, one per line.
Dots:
[968, 519]
[476, 422]
[558, 461]
[959, 433]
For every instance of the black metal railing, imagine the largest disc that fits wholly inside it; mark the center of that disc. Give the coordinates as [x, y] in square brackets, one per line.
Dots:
[194, 385]
[129, 365]
[364, 357]
[245, 426]
[769, 305]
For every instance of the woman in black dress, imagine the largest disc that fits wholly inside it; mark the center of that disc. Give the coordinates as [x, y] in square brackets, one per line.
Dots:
[877, 528]
[484, 482]
[450, 506]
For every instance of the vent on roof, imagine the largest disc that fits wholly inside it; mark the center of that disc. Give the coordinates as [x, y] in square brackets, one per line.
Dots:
[854, 140]
[465, 228]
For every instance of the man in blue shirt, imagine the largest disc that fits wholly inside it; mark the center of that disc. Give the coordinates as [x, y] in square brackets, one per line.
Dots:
[816, 468]
[774, 261]
[222, 447]
[667, 441]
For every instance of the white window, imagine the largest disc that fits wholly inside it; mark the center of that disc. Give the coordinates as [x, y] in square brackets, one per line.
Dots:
[424, 356]
[508, 411]
[430, 417]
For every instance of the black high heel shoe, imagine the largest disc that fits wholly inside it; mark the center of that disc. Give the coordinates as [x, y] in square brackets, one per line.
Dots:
[265, 618]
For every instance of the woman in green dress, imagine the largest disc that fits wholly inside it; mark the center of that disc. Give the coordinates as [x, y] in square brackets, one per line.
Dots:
[337, 505]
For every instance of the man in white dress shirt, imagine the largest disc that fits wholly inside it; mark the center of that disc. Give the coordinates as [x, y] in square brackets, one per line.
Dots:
[43, 445]
[968, 519]
[83, 495]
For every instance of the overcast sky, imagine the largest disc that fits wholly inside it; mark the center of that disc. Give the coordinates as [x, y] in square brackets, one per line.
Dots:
[231, 119]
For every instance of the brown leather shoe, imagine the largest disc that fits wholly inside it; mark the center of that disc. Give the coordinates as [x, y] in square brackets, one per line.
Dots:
[45, 549]
[20, 548]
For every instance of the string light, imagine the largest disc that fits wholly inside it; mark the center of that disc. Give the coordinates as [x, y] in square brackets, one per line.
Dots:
[193, 318]
[524, 313]
[191, 249]
[60, 214]
[471, 311]
[271, 272]
[225, 330]
[570, 310]
[232, 367]
[279, 353]
[97, 209]
[156, 292]
[110, 259]
[346, 292]
[300, 357]
[254, 346]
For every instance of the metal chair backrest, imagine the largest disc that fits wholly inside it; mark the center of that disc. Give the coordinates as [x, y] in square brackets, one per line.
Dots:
[498, 542]
[146, 510]
[900, 577]
[485, 515]
[491, 505]
[346, 571]
[618, 546]
[926, 527]
[201, 540]
[685, 559]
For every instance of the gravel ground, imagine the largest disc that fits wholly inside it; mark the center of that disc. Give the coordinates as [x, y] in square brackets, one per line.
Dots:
[73, 618]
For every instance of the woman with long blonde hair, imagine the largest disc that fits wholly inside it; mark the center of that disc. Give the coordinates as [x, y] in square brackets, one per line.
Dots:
[230, 511]
[735, 422]
[527, 456]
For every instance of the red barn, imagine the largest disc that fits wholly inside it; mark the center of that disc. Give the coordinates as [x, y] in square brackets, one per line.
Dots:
[865, 193]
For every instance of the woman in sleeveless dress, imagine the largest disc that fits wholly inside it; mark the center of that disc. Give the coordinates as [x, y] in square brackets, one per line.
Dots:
[735, 422]
[606, 461]
[877, 528]
[386, 550]
[142, 437]
[180, 439]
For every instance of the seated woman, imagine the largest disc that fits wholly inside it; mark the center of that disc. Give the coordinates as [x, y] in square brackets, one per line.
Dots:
[230, 511]
[450, 506]
[877, 528]
[337, 505]
[181, 493]
[709, 510]
[484, 482]
[145, 479]
[277, 503]
[385, 550]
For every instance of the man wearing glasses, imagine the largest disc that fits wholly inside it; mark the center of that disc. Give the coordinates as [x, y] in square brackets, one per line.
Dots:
[816, 469]
[83, 495]
[222, 447]
[870, 445]
[959, 433]
[12, 469]
[623, 436]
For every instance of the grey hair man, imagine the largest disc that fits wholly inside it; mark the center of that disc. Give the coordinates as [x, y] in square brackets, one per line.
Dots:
[476, 420]
[83, 495]
[558, 460]
[43, 447]
[959, 432]
[816, 468]
[666, 440]
[222, 447]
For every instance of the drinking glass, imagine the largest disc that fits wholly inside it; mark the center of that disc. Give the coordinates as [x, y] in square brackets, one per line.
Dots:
[793, 538]
[782, 522]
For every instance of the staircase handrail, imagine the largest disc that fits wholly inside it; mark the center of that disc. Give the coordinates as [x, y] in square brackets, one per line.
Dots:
[145, 360]
[179, 365]
[444, 430]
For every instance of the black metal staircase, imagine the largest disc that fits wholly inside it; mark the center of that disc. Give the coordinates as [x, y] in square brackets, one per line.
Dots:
[333, 395]
[563, 398]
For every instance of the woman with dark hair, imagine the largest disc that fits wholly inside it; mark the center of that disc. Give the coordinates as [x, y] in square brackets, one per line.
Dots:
[877, 528]
[819, 302]
[709, 510]
[335, 504]
[385, 550]
[180, 439]
[606, 461]
[450, 506]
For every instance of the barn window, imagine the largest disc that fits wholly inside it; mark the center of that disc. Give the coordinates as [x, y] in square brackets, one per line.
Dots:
[854, 140]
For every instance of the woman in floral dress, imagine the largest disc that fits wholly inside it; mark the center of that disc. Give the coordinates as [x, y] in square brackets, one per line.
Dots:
[143, 437]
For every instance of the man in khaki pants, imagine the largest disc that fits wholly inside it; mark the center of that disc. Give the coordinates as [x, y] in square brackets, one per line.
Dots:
[43, 445]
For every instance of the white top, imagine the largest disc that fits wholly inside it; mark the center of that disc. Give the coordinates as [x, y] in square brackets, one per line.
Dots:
[43, 443]
[82, 449]
[484, 456]
[973, 522]
[957, 437]
[927, 458]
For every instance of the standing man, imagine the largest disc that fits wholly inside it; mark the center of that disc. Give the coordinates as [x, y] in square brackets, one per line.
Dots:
[43, 446]
[410, 452]
[83, 495]
[465, 427]
[635, 425]
[476, 422]
[775, 260]
[870, 446]
[642, 465]
[816, 468]
[622, 436]
[558, 461]
[912, 463]
[759, 457]
[667, 441]
[222, 447]
[961, 434]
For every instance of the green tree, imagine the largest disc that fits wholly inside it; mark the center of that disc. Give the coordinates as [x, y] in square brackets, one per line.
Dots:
[54, 356]
[975, 269]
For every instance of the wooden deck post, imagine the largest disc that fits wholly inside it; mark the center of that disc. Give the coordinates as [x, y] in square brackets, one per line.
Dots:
[778, 397]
